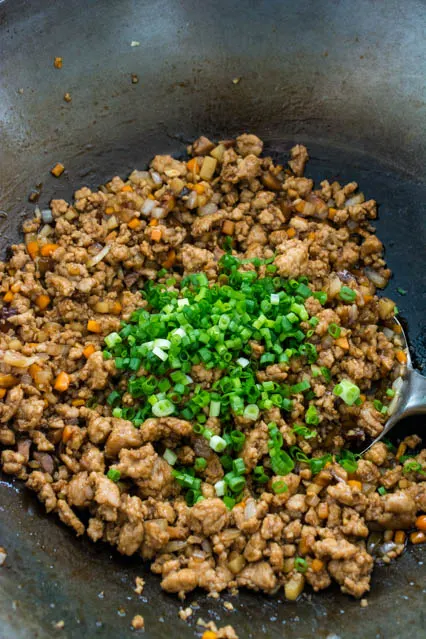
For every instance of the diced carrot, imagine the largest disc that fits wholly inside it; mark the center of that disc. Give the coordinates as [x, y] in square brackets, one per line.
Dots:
[15, 288]
[311, 235]
[327, 465]
[8, 381]
[62, 382]
[47, 249]
[343, 343]
[331, 212]
[317, 565]
[199, 188]
[401, 356]
[93, 326]
[78, 402]
[34, 369]
[57, 63]
[292, 193]
[150, 196]
[109, 210]
[291, 232]
[156, 235]
[111, 236]
[57, 170]
[421, 523]
[153, 222]
[33, 249]
[67, 434]
[209, 634]
[300, 206]
[368, 298]
[354, 483]
[42, 301]
[87, 352]
[2, 392]
[171, 257]
[134, 223]
[418, 537]
[127, 188]
[8, 297]
[228, 227]
[192, 165]
[362, 397]
[399, 537]
[116, 308]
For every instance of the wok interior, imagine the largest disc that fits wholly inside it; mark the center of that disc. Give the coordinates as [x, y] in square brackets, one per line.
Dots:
[343, 78]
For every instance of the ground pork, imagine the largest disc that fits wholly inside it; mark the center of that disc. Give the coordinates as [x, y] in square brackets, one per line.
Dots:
[93, 451]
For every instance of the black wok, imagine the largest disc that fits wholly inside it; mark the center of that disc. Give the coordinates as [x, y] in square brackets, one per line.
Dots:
[345, 77]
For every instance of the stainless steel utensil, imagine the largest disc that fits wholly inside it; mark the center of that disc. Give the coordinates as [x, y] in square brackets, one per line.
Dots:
[410, 392]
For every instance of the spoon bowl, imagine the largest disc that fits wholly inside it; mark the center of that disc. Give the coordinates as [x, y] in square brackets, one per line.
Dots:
[410, 392]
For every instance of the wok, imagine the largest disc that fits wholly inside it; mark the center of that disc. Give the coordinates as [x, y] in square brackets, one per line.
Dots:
[344, 77]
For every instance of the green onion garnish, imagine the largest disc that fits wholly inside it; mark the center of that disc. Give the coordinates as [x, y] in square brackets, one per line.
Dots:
[347, 294]
[348, 391]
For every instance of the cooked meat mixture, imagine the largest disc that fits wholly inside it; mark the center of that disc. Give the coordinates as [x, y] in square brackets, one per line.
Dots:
[188, 359]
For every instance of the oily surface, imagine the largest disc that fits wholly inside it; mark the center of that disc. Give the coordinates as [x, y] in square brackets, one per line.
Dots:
[63, 448]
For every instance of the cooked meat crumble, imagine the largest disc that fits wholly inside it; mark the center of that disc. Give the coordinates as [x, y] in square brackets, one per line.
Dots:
[154, 474]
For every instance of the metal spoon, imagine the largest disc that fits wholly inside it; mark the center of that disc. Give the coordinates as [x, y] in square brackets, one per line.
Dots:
[410, 392]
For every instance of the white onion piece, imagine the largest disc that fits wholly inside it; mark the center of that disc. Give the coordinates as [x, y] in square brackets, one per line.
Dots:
[147, 206]
[158, 213]
[100, 256]
[207, 209]
[192, 200]
[375, 277]
[46, 231]
[356, 199]
[173, 546]
[112, 223]
[47, 216]
[156, 177]
[250, 509]
[13, 358]
[388, 332]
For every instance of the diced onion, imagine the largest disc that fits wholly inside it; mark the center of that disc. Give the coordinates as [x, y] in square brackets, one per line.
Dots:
[176, 545]
[147, 206]
[46, 231]
[250, 509]
[192, 200]
[356, 199]
[156, 177]
[13, 358]
[375, 277]
[170, 457]
[100, 256]
[208, 209]
[158, 212]
[47, 216]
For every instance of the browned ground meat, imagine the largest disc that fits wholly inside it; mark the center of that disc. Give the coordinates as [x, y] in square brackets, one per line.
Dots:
[70, 283]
